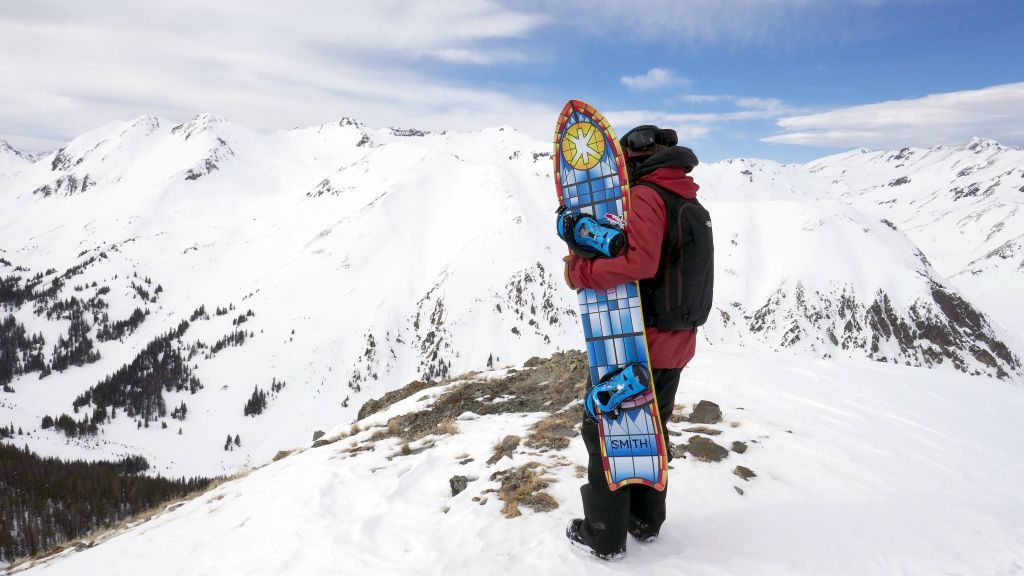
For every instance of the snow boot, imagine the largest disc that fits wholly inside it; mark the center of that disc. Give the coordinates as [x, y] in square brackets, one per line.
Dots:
[574, 532]
[641, 530]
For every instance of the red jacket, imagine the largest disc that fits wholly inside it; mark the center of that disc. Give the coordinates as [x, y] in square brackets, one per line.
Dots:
[646, 226]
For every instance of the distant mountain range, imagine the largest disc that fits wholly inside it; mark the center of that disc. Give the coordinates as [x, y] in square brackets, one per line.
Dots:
[169, 278]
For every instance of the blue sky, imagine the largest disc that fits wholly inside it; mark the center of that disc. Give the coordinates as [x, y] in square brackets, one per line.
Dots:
[789, 80]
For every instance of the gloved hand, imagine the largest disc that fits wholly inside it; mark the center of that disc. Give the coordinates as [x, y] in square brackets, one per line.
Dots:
[568, 264]
[565, 226]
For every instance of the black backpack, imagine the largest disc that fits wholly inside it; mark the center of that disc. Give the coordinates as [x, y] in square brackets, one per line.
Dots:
[678, 297]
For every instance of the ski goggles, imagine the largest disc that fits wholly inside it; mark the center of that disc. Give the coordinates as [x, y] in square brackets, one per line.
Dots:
[648, 135]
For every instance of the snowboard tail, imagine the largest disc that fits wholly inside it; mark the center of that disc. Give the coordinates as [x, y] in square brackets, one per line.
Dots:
[590, 178]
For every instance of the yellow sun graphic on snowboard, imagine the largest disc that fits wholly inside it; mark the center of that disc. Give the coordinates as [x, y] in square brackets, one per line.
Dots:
[583, 146]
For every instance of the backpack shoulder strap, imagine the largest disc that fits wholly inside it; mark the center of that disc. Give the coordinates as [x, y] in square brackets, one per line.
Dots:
[668, 198]
[664, 193]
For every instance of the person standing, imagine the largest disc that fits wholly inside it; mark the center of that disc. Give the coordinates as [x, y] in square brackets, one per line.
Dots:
[672, 258]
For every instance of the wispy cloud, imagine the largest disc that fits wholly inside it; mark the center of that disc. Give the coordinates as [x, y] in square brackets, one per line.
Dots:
[774, 106]
[69, 66]
[947, 118]
[482, 57]
[693, 126]
[653, 79]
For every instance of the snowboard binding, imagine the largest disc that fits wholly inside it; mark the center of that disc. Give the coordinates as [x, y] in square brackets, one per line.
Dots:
[617, 386]
[589, 237]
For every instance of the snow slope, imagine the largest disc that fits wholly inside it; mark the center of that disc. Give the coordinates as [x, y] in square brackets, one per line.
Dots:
[861, 468]
[375, 256]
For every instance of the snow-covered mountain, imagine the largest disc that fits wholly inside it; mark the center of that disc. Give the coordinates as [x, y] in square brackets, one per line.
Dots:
[11, 158]
[801, 269]
[839, 467]
[961, 205]
[198, 270]
[361, 254]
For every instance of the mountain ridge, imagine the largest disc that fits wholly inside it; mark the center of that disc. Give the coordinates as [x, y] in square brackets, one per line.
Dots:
[370, 257]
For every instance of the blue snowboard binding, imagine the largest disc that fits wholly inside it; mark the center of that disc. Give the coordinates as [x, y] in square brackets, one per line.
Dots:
[589, 237]
[617, 386]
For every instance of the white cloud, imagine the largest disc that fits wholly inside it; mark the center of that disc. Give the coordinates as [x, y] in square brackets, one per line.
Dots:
[947, 118]
[772, 106]
[70, 66]
[482, 57]
[652, 79]
[694, 126]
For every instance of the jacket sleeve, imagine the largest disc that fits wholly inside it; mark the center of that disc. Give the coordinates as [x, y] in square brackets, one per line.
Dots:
[645, 228]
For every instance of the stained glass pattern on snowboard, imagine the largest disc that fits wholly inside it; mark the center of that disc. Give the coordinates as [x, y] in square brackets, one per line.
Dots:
[589, 173]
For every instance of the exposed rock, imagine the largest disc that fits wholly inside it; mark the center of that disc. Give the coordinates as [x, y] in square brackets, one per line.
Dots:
[944, 328]
[706, 412]
[458, 484]
[371, 407]
[678, 451]
[558, 382]
[534, 362]
[282, 454]
[739, 447]
[318, 435]
[706, 450]
[744, 472]
[738, 490]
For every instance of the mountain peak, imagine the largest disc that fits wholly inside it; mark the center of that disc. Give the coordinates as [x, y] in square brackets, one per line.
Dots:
[199, 123]
[146, 120]
[347, 121]
[6, 148]
[11, 158]
[207, 118]
[977, 144]
[410, 132]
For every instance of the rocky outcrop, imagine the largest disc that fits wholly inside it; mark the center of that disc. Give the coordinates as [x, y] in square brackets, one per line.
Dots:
[942, 328]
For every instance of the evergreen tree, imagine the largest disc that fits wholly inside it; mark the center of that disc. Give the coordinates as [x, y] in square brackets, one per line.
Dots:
[256, 403]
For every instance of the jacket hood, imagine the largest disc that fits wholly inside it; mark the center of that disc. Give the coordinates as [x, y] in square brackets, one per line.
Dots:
[672, 179]
[674, 157]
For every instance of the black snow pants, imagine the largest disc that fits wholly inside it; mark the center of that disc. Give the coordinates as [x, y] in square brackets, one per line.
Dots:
[607, 514]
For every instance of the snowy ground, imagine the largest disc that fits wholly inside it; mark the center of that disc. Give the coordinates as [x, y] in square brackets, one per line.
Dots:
[862, 468]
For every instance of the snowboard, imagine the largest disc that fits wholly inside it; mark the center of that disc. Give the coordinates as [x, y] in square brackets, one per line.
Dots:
[590, 177]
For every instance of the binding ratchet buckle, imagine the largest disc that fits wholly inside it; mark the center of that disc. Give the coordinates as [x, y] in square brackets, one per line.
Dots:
[616, 387]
